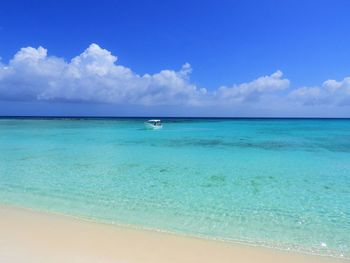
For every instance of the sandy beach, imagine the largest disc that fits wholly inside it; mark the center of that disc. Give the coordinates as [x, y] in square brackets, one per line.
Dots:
[31, 236]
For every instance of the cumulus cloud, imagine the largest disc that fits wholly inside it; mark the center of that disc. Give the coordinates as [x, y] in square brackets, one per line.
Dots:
[252, 91]
[95, 76]
[331, 92]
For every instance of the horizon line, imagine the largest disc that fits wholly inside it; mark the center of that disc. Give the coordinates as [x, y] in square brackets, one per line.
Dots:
[153, 116]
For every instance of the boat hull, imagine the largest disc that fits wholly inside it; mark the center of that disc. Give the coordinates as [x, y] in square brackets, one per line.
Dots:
[150, 126]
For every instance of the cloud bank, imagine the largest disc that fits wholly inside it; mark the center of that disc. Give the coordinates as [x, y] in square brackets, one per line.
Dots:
[95, 76]
[331, 92]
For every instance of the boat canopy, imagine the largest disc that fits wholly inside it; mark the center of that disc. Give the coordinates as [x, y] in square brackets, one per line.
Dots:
[153, 121]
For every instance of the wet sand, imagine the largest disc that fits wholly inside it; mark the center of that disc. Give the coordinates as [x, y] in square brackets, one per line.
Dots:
[31, 236]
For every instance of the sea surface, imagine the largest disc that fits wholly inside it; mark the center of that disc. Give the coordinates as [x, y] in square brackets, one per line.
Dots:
[281, 183]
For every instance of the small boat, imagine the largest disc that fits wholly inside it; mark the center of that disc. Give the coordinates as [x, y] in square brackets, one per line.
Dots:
[153, 124]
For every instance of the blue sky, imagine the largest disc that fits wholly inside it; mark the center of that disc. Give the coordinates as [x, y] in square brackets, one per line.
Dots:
[176, 58]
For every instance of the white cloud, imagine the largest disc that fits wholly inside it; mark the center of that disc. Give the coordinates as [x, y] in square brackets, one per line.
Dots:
[96, 76]
[93, 76]
[252, 91]
[331, 92]
[30, 54]
[308, 95]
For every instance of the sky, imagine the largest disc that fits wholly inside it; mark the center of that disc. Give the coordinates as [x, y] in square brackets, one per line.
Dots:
[266, 58]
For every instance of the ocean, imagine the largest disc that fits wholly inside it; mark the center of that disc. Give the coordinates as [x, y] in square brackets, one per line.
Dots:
[280, 183]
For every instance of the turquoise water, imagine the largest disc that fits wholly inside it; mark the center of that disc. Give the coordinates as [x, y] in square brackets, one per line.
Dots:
[275, 183]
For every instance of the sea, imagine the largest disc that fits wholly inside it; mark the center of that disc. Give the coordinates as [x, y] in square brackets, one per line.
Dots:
[278, 183]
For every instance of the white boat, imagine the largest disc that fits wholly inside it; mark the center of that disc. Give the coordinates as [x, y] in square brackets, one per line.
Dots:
[153, 124]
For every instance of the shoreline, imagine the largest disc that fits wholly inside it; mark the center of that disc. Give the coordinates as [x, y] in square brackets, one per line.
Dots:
[168, 232]
[28, 235]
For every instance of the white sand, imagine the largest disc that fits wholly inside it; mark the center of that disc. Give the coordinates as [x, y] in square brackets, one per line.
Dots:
[29, 236]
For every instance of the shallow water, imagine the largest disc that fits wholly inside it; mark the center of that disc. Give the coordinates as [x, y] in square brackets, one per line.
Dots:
[278, 183]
